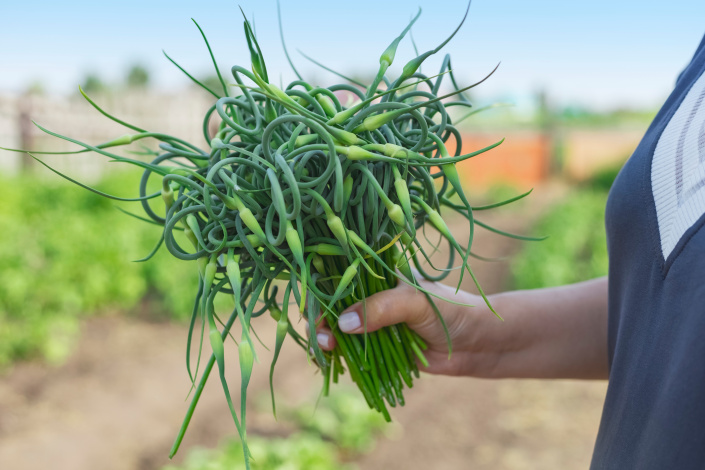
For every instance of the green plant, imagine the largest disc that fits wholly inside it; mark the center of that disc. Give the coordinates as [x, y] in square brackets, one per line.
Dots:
[298, 451]
[336, 430]
[341, 418]
[603, 179]
[137, 77]
[576, 249]
[298, 193]
[64, 254]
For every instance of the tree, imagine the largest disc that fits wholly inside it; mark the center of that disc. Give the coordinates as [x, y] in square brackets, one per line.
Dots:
[137, 77]
[93, 84]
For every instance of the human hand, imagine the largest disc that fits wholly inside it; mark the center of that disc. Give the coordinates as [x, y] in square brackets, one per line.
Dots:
[472, 353]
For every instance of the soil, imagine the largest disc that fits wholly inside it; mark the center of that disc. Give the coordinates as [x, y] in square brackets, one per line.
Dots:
[118, 401]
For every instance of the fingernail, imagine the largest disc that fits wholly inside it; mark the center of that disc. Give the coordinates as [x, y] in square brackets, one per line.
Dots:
[349, 321]
[323, 339]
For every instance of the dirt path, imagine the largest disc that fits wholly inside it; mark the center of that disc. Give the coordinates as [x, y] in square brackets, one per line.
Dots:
[119, 400]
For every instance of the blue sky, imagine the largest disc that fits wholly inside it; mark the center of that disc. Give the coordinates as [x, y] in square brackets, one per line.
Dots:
[603, 54]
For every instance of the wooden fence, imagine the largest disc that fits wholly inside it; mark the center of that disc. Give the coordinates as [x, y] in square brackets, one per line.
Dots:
[525, 159]
[179, 114]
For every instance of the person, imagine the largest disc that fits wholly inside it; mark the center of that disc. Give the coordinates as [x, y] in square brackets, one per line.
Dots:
[642, 327]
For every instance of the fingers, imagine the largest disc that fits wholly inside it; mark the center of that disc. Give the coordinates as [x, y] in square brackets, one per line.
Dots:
[403, 304]
[324, 336]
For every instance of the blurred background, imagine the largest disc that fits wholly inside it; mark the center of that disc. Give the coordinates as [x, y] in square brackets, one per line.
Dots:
[92, 344]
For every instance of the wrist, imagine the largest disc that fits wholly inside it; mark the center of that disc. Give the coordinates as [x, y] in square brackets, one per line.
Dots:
[555, 332]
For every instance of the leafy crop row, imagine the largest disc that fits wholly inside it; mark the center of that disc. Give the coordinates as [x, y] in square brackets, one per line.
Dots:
[576, 249]
[66, 253]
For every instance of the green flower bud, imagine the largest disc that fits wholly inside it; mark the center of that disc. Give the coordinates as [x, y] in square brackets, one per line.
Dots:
[167, 196]
[371, 123]
[275, 312]
[326, 249]
[327, 104]
[305, 140]
[358, 153]
[122, 140]
[318, 264]
[396, 214]
[246, 357]
[395, 151]
[250, 222]
[294, 242]
[338, 229]
[347, 187]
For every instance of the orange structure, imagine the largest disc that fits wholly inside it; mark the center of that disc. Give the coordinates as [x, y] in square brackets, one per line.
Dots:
[523, 159]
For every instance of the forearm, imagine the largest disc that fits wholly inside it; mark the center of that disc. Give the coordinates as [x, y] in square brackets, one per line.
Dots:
[558, 332]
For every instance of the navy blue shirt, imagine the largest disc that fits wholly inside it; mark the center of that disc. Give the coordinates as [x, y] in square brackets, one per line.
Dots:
[654, 412]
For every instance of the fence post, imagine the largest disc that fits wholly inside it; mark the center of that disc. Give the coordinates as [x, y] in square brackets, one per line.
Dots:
[24, 123]
[551, 133]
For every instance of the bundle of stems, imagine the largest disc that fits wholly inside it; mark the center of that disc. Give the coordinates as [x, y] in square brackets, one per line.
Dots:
[298, 191]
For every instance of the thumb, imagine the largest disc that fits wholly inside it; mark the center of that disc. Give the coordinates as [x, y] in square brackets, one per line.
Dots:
[402, 304]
